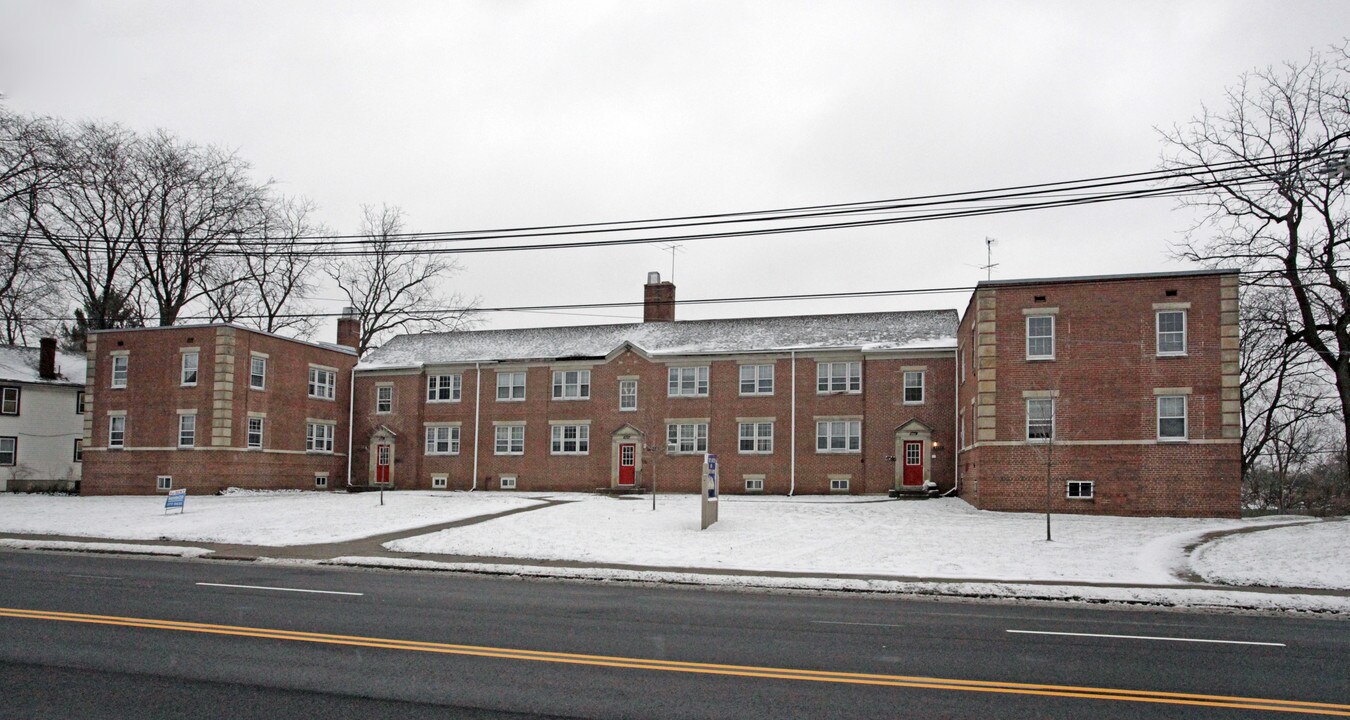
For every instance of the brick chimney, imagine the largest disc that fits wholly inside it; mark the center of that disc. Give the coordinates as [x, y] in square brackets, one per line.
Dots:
[47, 359]
[349, 329]
[658, 299]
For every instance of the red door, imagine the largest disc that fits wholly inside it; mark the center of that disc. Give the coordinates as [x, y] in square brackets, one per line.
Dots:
[627, 463]
[913, 463]
[382, 463]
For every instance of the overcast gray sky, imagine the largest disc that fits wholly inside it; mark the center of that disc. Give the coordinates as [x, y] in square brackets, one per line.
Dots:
[489, 114]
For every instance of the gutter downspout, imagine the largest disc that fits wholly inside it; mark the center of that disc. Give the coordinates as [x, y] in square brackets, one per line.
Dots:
[477, 400]
[956, 426]
[792, 473]
[351, 414]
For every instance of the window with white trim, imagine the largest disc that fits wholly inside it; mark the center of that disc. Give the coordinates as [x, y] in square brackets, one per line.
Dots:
[117, 431]
[511, 386]
[754, 483]
[686, 438]
[120, 365]
[442, 440]
[1040, 419]
[839, 377]
[913, 387]
[79, 449]
[571, 440]
[187, 430]
[508, 482]
[384, 399]
[189, 368]
[1040, 337]
[1172, 332]
[79, 402]
[1172, 417]
[510, 440]
[440, 482]
[9, 451]
[255, 433]
[839, 484]
[687, 381]
[1079, 490]
[628, 395]
[164, 482]
[322, 383]
[838, 436]
[257, 373]
[756, 379]
[320, 480]
[756, 438]
[9, 401]
[571, 384]
[319, 437]
[444, 388]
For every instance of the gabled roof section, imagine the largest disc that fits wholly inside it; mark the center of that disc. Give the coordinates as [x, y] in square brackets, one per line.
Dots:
[20, 364]
[865, 332]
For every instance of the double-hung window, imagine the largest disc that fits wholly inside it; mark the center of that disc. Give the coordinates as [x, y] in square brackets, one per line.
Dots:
[913, 387]
[1040, 419]
[384, 399]
[511, 386]
[1172, 417]
[444, 388]
[571, 439]
[838, 436]
[117, 431]
[756, 438]
[1172, 332]
[756, 379]
[1040, 337]
[839, 377]
[571, 384]
[9, 451]
[687, 437]
[255, 433]
[442, 440]
[9, 401]
[687, 381]
[257, 372]
[510, 440]
[319, 437]
[322, 383]
[628, 395]
[120, 364]
[189, 368]
[187, 430]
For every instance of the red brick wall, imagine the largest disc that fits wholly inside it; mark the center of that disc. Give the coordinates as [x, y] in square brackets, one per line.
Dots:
[880, 404]
[154, 395]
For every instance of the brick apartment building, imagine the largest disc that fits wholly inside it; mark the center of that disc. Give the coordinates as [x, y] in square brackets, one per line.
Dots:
[213, 406]
[1122, 390]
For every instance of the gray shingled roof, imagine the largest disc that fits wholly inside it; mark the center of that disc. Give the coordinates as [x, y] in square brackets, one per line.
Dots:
[867, 332]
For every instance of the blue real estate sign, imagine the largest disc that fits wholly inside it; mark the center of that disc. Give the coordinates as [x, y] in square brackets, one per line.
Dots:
[175, 499]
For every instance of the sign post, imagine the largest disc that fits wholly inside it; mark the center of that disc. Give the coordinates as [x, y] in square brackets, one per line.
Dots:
[709, 494]
[176, 499]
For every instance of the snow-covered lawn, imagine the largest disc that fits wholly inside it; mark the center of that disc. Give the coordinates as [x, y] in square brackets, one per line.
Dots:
[944, 538]
[1315, 555]
[297, 518]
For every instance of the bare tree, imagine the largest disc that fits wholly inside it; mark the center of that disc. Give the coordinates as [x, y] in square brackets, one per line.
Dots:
[265, 287]
[393, 283]
[26, 273]
[1274, 158]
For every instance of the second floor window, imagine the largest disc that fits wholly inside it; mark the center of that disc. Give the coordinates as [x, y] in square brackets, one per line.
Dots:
[628, 394]
[1040, 419]
[189, 368]
[511, 385]
[9, 401]
[913, 387]
[1172, 332]
[571, 384]
[1040, 337]
[756, 379]
[384, 399]
[839, 377]
[687, 381]
[444, 388]
[120, 364]
[322, 383]
[257, 372]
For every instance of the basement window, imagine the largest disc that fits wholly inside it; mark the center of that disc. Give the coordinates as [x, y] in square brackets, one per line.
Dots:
[164, 482]
[839, 484]
[320, 480]
[508, 482]
[440, 482]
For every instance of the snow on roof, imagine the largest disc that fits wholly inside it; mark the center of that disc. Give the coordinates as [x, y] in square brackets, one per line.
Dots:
[866, 332]
[20, 364]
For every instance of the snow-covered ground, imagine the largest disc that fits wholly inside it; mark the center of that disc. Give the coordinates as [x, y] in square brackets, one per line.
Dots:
[295, 518]
[1316, 555]
[944, 538]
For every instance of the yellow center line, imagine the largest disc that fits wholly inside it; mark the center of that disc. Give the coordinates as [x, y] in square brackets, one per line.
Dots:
[986, 686]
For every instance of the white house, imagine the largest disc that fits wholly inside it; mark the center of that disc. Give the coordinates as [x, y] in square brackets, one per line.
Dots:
[41, 417]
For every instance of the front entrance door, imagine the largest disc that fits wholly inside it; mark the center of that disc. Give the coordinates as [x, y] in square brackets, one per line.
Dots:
[383, 454]
[627, 463]
[913, 463]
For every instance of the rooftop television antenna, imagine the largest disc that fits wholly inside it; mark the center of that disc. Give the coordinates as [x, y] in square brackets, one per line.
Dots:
[989, 264]
[673, 248]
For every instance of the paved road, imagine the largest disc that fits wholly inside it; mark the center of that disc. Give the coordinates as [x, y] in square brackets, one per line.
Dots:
[97, 636]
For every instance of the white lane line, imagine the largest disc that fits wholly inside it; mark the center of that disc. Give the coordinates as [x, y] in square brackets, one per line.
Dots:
[1149, 637]
[265, 587]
